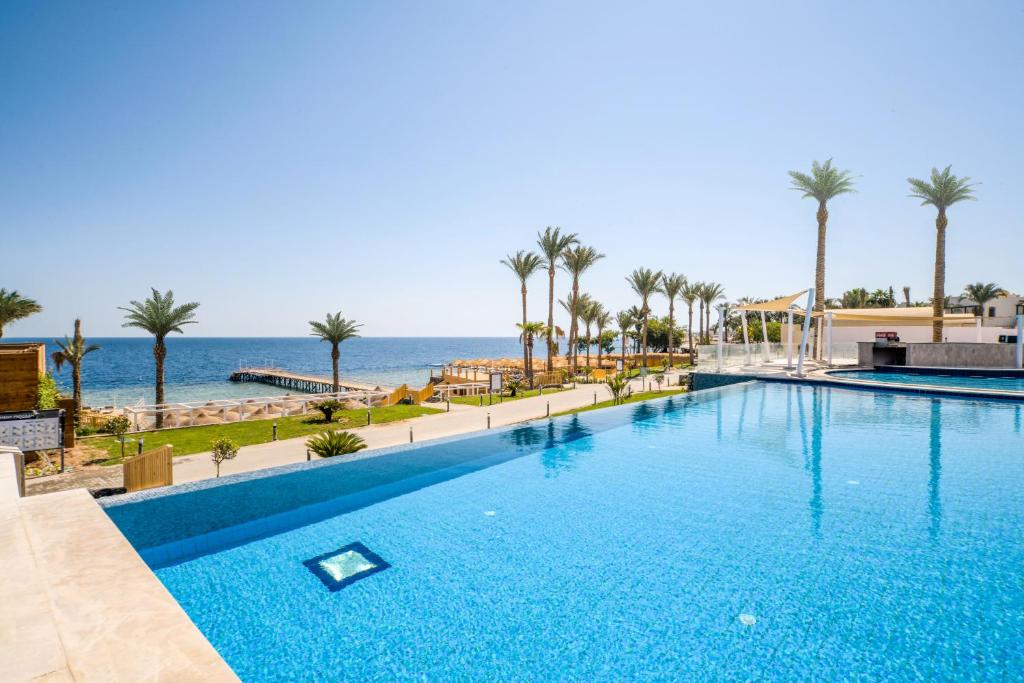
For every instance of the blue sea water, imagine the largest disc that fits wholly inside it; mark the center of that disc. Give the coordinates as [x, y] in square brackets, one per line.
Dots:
[197, 368]
[958, 381]
[761, 531]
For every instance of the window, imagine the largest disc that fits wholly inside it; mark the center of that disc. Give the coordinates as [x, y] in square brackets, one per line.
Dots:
[991, 311]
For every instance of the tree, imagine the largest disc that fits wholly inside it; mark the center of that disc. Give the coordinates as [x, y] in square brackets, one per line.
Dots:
[822, 184]
[588, 315]
[881, 298]
[159, 316]
[328, 407]
[72, 351]
[14, 307]
[334, 330]
[118, 426]
[222, 449]
[710, 292]
[574, 305]
[624, 319]
[603, 319]
[528, 332]
[671, 286]
[690, 293]
[552, 243]
[524, 264]
[855, 298]
[618, 385]
[551, 336]
[332, 443]
[906, 295]
[944, 190]
[576, 261]
[982, 293]
[645, 283]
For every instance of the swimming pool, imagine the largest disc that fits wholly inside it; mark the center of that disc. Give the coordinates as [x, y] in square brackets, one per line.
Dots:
[755, 531]
[956, 380]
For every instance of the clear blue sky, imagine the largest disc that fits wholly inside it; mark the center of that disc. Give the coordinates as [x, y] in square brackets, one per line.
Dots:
[278, 160]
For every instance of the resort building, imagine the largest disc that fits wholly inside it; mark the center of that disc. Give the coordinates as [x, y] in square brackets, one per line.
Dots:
[999, 312]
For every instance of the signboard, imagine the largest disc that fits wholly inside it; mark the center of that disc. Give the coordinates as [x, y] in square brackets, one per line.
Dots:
[886, 336]
[497, 379]
[618, 365]
[32, 430]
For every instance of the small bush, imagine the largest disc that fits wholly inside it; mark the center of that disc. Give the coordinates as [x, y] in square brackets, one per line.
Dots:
[118, 426]
[222, 449]
[328, 407]
[48, 394]
[331, 443]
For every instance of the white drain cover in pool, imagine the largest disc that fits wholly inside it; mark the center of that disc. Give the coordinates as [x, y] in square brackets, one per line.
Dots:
[345, 565]
[748, 619]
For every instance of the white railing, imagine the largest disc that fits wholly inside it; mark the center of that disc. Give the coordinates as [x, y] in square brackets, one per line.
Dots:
[761, 355]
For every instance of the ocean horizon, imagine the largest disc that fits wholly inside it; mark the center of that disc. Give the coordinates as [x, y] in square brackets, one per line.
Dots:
[197, 368]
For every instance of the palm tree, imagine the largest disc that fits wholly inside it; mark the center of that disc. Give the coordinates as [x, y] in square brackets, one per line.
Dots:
[551, 335]
[944, 190]
[671, 286]
[624, 319]
[528, 332]
[524, 264]
[72, 351]
[552, 244]
[588, 315]
[982, 293]
[603, 319]
[855, 298]
[574, 303]
[159, 316]
[690, 293]
[638, 326]
[14, 306]
[823, 184]
[645, 283]
[575, 261]
[906, 294]
[710, 292]
[334, 330]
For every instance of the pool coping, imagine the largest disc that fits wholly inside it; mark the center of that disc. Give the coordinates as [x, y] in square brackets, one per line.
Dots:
[828, 377]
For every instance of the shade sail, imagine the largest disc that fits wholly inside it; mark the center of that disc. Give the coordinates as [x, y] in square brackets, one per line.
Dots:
[918, 315]
[777, 306]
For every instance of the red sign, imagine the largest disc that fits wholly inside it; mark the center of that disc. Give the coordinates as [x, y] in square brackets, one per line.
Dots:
[886, 336]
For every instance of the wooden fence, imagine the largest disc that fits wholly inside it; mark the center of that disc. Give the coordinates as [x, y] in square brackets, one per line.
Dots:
[149, 470]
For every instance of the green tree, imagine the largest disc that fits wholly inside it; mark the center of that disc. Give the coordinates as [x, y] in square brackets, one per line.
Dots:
[334, 330]
[528, 332]
[72, 351]
[944, 190]
[855, 298]
[983, 292]
[602, 320]
[690, 293]
[552, 243]
[710, 292]
[822, 184]
[222, 449]
[524, 264]
[118, 426]
[624, 319]
[671, 286]
[588, 316]
[645, 283]
[14, 306]
[577, 260]
[328, 407]
[159, 316]
[333, 443]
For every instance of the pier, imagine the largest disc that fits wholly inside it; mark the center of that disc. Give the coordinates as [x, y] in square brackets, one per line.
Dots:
[294, 381]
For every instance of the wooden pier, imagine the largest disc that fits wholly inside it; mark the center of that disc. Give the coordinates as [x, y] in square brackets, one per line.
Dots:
[294, 381]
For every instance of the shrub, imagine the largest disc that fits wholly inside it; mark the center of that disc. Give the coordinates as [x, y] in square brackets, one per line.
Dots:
[222, 449]
[514, 385]
[118, 426]
[328, 407]
[331, 443]
[47, 393]
[618, 385]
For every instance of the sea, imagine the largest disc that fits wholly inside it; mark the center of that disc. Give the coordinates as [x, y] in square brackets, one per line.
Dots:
[197, 368]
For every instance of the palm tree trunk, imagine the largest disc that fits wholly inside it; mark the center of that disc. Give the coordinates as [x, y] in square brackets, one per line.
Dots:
[600, 335]
[689, 329]
[588, 345]
[819, 277]
[573, 325]
[159, 354]
[623, 350]
[76, 390]
[671, 322]
[939, 290]
[643, 343]
[551, 313]
[335, 355]
[527, 365]
[700, 322]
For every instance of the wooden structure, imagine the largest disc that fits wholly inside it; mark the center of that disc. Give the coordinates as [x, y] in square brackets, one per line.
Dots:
[21, 366]
[149, 470]
[295, 381]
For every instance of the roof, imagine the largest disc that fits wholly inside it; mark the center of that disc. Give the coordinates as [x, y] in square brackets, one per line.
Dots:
[916, 315]
[778, 305]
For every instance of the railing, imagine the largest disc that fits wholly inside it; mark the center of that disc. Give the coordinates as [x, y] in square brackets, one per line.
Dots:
[149, 470]
[759, 354]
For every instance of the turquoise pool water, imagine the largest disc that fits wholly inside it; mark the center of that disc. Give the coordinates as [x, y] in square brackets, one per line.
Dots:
[761, 531]
[956, 381]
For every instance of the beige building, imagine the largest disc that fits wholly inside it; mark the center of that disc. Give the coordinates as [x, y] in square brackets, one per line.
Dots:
[1001, 312]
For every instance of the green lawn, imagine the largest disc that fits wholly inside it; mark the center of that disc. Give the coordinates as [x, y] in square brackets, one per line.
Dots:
[635, 398]
[188, 440]
[475, 400]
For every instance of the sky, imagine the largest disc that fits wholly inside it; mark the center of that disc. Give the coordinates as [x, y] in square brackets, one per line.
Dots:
[275, 161]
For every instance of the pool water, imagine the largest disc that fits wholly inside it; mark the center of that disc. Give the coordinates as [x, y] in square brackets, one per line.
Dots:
[957, 381]
[785, 532]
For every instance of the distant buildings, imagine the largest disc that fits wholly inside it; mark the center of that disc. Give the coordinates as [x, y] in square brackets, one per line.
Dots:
[1001, 312]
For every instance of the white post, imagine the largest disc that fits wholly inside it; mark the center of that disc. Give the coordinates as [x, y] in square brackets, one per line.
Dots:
[789, 340]
[746, 338]
[721, 337]
[764, 335]
[1020, 341]
[977, 330]
[806, 333]
[829, 323]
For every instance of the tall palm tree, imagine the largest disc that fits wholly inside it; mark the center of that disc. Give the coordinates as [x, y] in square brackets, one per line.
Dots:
[524, 264]
[574, 305]
[690, 293]
[671, 286]
[577, 260]
[710, 292]
[906, 295]
[823, 184]
[552, 243]
[72, 351]
[855, 298]
[944, 190]
[528, 332]
[159, 316]
[645, 283]
[588, 315]
[602, 320]
[551, 335]
[624, 319]
[334, 330]
[14, 306]
[982, 293]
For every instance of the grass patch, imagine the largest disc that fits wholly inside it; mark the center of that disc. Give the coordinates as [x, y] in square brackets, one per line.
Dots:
[189, 440]
[635, 398]
[475, 400]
